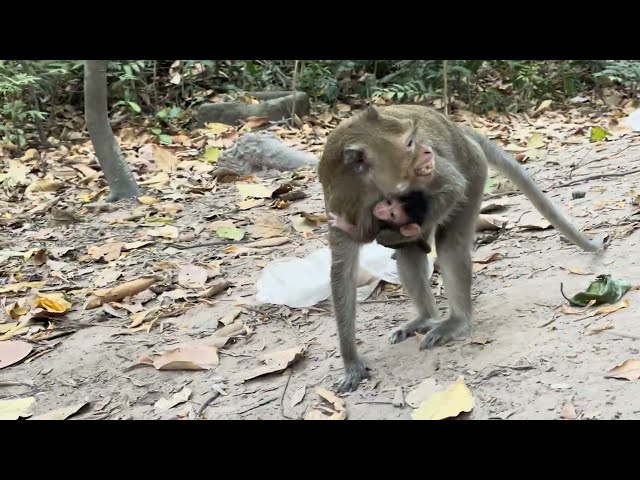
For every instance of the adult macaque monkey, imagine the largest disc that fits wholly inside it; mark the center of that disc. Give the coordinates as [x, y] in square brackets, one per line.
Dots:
[376, 154]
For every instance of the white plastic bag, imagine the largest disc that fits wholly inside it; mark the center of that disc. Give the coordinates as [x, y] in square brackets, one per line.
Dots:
[304, 282]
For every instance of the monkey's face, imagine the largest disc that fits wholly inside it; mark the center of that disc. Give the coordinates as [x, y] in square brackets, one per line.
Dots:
[390, 211]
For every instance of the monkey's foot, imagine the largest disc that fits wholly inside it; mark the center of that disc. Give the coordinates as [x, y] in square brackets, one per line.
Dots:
[419, 325]
[355, 373]
[444, 332]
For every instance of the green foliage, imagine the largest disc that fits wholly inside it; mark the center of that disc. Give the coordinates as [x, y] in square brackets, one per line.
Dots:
[162, 93]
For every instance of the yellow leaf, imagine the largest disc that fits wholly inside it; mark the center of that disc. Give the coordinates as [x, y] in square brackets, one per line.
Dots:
[218, 128]
[53, 302]
[148, 200]
[16, 408]
[250, 203]
[168, 231]
[543, 106]
[44, 185]
[450, 402]
[536, 141]
[211, 155]
[255, 190]
[6, 327]
[578, 271]
[16, 287]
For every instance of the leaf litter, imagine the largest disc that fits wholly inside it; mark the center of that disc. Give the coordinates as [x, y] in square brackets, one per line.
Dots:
[156, 220]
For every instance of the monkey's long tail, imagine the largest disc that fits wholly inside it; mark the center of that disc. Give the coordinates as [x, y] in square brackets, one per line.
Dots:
[507, 165]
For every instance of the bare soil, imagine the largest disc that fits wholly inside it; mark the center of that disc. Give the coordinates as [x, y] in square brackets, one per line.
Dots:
[524, 360]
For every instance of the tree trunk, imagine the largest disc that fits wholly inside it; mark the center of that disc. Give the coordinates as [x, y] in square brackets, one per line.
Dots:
[116, 170]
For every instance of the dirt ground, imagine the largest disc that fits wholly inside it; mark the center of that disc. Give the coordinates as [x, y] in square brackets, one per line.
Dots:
[525, 359]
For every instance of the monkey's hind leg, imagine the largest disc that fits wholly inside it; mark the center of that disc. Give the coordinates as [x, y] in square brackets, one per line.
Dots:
[454, 258]
[412, 270]
[344, 268]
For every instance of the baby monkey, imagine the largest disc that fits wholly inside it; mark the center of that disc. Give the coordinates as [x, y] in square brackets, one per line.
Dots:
[405, 212]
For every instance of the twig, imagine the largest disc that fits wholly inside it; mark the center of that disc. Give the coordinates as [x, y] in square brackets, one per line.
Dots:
[374, 402]
[502, 194]
[548, 322]
[445, 88]
[595, 177]
[284, 390]
[388, 300]
[579, 162]
[294, 83]
[625, 335]
[182, 246]
[257, 405]
[206, 403]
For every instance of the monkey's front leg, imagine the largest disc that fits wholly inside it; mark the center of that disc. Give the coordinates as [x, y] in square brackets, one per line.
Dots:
[412, 270]
[344, 270]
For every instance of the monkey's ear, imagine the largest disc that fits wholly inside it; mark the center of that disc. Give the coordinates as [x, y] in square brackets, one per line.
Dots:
[355, 156]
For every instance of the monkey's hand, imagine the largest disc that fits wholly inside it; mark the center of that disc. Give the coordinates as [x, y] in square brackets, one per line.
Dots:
[410, 230]
[341, 223]
[392, 238]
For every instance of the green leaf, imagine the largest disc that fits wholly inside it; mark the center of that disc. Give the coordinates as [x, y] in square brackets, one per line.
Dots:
[490, 185]
[156, 131]
[598, 134]
[174, 112]
[603, 290]
[210, 155]
[232, 233]
[135, 107]
[166, 139]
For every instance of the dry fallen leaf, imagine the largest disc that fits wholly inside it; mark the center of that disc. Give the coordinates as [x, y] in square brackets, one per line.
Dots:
[16, 287]
[298, 396]
[16, 408]
[338, 412]
[52, 302]
[533, 221]
[176, 399]
[187, 357]
[490, 222]
[168, 231]
[422, 392]
[628, 370]
[302, 225]
[450, 402]
[267, 242]
[13, 351]
[109, 251]
[61, 413]
[578, 271]
[164, 159]
[275, 362]
[192, 276]
[568, 411]
[267, 225]
[255, 190]
[15, 311]
[250, 203]
[106, 277]
[599, 328]
[119, 292]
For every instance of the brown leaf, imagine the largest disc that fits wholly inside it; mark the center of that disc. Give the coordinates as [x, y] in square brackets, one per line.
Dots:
[578, 271]
[168, 231]
[281, 190]
[302, 225]
[495, 205]
[182, 396]
[230, 317]
[109, 251]
[164, 159]
[256, 122]
[188, 357]
[61, 413]
[568, 411]
[490, 222]
[298, 396]
[266, 226]
[481, 340]
[215, 289]
[339, 412]
[491, 258]
[192, 276]
[599, 328]
[119, 292]
[275, 362]
[13, 351]
[628, 370]
[315, 217]
[268, 242]
[139, 317]
[250, 203]
[106, 277]
[533, 221]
